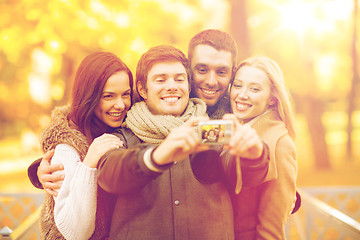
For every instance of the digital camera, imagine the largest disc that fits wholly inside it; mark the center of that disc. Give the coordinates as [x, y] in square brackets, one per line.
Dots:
[215, 131]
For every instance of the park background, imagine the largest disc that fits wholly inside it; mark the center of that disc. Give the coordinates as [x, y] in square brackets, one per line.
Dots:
[315, 43]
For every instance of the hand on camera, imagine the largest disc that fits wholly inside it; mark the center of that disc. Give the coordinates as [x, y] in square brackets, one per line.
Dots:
[244, 142]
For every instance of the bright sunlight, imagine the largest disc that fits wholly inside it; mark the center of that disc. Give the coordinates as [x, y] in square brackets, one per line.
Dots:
[320, 16]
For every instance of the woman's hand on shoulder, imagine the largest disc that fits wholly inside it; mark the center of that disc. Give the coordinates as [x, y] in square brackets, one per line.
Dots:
[244, 142]
[99, 147]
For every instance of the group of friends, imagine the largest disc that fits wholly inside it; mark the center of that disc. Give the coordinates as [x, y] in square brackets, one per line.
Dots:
[116, 168]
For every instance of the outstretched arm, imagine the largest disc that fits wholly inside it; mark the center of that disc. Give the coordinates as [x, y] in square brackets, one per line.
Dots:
[243, 162]
[179, 144]
[244, 142]
[137, 166]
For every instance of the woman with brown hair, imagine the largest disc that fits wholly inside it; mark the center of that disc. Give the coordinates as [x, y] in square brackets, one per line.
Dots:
[79, 135]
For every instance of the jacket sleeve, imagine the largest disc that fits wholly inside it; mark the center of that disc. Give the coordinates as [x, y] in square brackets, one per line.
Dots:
[253, 171]
[121, 171]
[75, 204]
[277, 197]
[217, 164]
[32, 174]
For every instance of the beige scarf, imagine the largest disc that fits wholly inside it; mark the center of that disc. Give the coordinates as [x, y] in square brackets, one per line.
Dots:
[155, 128]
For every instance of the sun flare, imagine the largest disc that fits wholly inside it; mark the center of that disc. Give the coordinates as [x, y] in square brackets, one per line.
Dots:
[297, 16]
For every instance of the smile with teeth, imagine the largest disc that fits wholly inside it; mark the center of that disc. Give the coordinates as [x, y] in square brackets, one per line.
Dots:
[209, 92]
[170, 99]
[242, 106]
[117, 114]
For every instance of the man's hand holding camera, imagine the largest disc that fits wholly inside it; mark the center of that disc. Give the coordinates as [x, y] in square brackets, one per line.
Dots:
[244, 141]
[180, 142]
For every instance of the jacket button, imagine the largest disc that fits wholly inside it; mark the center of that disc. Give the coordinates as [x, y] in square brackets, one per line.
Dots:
[177, 202]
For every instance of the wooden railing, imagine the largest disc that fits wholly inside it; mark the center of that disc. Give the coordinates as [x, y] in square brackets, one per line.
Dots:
[322, 214]
[327, 213]
[19, 216]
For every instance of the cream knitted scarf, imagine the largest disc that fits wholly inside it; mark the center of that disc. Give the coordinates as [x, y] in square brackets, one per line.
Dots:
[155, 128]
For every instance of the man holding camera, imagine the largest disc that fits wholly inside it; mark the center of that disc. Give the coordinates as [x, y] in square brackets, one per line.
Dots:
[158, 196]
[213, 57]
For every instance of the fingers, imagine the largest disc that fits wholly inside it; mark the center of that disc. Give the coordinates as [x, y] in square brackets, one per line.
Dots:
[55, 168]
[52, 178]
[245, 142]
[179, 143]
[48, 155]
[53, 181]
[194, 121]
[51, 192]
[232, 118]
[99, 147]
[109, 140]
[202, 147]
[241, 134]
[46, 168]
[190, 141]
[53, 185]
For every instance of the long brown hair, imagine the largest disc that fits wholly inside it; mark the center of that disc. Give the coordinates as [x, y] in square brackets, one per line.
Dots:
[90, 79]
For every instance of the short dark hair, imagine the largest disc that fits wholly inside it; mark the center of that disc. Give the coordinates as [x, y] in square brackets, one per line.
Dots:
[217, 39]
[91, 77]
[161, 53]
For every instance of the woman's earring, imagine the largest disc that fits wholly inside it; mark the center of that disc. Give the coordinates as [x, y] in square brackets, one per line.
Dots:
[272, 101]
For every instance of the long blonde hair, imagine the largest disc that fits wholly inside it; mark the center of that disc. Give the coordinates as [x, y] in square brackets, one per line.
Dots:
[278, 89]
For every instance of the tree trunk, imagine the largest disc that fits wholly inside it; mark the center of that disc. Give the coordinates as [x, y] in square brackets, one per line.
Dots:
[238, 27]
[314, 109]
[354, 82]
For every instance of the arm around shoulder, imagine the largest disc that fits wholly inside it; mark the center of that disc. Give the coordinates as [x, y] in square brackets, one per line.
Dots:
[32, 174]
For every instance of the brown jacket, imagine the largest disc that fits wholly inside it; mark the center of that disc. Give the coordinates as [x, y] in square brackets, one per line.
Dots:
[167, 205]
[261, 212]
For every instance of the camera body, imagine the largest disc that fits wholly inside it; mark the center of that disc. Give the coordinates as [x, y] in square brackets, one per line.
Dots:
[215, 132]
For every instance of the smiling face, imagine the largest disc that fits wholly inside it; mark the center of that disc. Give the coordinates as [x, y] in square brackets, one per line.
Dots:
[211, 71]
[115, 100]
[167, 89]
[250, 93]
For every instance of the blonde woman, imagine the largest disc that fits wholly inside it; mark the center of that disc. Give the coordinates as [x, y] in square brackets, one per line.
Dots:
[259, 98]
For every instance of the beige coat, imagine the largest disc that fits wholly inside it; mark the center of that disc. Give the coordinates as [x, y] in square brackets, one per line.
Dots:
[261, 212]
